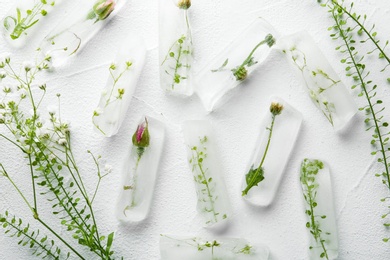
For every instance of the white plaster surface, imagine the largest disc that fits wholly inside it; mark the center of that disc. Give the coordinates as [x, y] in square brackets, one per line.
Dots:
[215, 23]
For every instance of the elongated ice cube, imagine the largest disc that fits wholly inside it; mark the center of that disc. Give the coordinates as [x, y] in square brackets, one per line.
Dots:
[213, 201]
[82, 24]
[122, 81]
[235, 63]
[194, 248]
[319, 209]
[140, 170]
[323, 84]
[175, 49]
[277, 136]
[24, 18]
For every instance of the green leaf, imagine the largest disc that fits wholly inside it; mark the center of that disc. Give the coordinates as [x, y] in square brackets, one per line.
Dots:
[222, 67]
[253, 178]
[110, 240]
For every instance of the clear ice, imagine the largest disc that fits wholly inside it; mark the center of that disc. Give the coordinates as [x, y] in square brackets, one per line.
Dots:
[284, 135]
[122, 81]
[24, 18]
[323, 84]
[235, 63]
[194, 248]
[71, 35]
[319, 209]
[175, 48]
[213, 200]
[139, 176]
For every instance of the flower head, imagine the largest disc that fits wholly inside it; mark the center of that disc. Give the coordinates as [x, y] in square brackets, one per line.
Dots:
[276, 108]
[241, 73]
[184, 4]
[103, 8]
[141, 137]
[27, 66]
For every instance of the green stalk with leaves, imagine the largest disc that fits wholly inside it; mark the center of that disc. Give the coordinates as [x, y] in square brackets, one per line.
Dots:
[255, 176]
[55, 175]
[352, 31]
[19, 23]
[241, 72]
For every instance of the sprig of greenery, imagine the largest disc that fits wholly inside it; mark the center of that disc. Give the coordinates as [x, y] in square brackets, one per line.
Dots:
[255, 176]
[241, 72]
[22, 22]
[40, 245]
[348, 27]
[180, 53]
[50, 160]
[119, 96]
[309, 171]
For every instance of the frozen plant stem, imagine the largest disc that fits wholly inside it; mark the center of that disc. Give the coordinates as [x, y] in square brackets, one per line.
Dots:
[198, 155]
[241, 72]
[255, 176]
[309, 170]
[22, 24]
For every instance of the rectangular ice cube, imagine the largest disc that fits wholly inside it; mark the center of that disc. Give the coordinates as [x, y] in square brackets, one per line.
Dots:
[140, 173]
[175, 48]
[194, 248]
[235, 63]
[277, 136]
[213, 200]
[84, 21]
[24, 18]
[122, 81]
[323, 84]
[319, 209]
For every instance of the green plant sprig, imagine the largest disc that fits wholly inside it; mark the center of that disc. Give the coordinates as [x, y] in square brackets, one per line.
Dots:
[309, 171]
[357, 69]
[22, 24]
[255, 176]
[51, 162]
[241, 72]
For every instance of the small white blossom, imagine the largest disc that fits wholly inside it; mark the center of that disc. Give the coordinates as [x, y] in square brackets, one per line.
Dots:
[3, 74]
[5, 57]
[62, 141]
[22, 93]
[108, 168]
[27, 65]
[98, 111]
[52, 110]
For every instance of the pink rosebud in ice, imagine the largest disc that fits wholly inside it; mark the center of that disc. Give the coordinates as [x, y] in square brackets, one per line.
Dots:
[103, 8]
[141, 137]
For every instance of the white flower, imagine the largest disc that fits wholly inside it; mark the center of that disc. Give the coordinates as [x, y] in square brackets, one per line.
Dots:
[27, 65]
[8, 89]
[98, 111]
[5, 57]
[62, 141]
[1, 119]
[3, 74]
[52, 110]
[22, 140]
[22, 93]
[108, 168]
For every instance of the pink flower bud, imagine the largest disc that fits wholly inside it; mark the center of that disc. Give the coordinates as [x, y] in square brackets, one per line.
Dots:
[141, 137]
[103, 8]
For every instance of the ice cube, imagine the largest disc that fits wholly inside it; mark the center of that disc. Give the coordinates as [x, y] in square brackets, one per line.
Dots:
[213, 200]
[21, 22]
[319, 209]
[139, 175]
[277, 137]
[122, 81]
[194, 248]
[82, 24]
[175, 49]
[322, 83]
[235, 63]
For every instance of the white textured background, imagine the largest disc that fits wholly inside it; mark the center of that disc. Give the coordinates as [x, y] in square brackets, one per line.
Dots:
[215, 23]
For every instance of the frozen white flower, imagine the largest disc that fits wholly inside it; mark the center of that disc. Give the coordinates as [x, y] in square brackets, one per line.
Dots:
[22, 93]
[27, 65]
[98, 111]
[8, 89]
[108, 168]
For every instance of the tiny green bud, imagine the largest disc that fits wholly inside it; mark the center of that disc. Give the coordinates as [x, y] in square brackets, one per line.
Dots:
[241, 73]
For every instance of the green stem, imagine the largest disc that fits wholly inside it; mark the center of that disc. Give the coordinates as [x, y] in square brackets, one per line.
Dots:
[366, 93]
[60, 238]
[253, 180]
[251, 54]
[353, 17]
